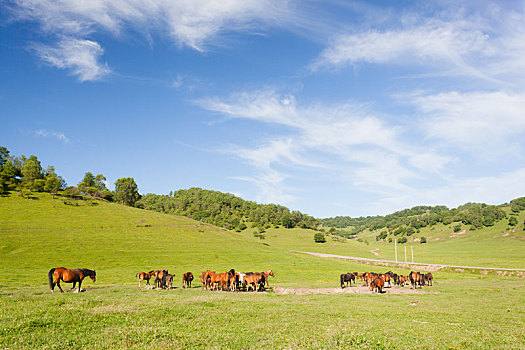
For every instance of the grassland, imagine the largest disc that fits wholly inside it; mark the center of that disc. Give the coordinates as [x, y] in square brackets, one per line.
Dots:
[466, 310]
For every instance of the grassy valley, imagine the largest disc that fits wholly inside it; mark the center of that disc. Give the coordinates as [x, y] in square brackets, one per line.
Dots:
[119, 241]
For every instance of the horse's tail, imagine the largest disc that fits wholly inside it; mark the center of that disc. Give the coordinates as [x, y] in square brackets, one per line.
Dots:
[50, 276]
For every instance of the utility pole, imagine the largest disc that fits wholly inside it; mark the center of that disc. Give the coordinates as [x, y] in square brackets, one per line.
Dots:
[412, 249]
[405, 253]
[395, 247]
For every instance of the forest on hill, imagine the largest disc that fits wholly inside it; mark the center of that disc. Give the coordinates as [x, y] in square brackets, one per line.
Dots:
[26, 176]
[226, 210]
[409, 221]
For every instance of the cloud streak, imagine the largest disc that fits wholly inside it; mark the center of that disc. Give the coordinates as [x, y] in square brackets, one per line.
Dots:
[327, 139]
[60, 136]
[198, 24]
[79, 56]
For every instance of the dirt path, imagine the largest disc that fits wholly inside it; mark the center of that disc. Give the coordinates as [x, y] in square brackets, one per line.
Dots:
[350, 290]
[424, 267]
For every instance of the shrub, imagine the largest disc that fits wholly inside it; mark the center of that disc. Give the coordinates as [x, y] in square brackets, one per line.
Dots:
[423, 240]
[457, 228]
[402, 240]
[513, 221]
[319, 238]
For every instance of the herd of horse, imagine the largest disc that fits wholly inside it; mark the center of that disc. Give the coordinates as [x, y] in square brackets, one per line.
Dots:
[235, 281]
[225, 281]
[377, 281]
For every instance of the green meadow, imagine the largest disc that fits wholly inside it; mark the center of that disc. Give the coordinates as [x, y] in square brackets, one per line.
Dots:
[461, 310]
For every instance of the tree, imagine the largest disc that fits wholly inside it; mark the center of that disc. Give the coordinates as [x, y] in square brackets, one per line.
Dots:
[513, 221]
[4, 156]
[126, 191]
[319, 238]
[87, 185]
[31, 171]
[53, 182]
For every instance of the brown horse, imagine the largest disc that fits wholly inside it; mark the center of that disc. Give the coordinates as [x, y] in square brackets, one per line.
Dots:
[428, 278]
[69, 276]
[377, 284]
[415, 278]
[160, 278]
[266, 275]
[144, 276]
[206, 278]
[186, 280]
[167, 281]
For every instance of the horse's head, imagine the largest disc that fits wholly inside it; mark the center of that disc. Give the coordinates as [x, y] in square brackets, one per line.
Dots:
[93, 276]
[271, 273]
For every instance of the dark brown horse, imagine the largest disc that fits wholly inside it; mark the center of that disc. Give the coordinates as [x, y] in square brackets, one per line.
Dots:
[144, 276]
[346, 279]
[186, 280]
[69, 276]
[428, 278]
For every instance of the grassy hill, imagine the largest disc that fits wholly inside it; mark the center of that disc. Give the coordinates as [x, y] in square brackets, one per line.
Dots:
[119, 241]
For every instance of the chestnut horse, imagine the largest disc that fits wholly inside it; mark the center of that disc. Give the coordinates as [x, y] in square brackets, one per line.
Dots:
[415, 278]
[144, 276]
[69, 276]
[377, 284]
[186, 280]
[266, 275]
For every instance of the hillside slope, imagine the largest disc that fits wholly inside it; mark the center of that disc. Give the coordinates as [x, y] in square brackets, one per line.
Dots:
[43, 232]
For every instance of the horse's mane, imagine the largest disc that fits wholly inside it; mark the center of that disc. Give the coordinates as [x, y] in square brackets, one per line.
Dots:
[151, 271]
[88, 272]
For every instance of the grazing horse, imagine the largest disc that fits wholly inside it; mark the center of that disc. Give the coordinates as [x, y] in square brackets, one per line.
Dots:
[69, 276]
[220, 280]
[377, 284]
[253, 280]
[160, 278]
[347, 278]
[167, 281]
[186, 280]
[415, 278]
[386, 278]
[427, 277]
[266, 275]
[206, 278]
[402, 280]
[144, 276]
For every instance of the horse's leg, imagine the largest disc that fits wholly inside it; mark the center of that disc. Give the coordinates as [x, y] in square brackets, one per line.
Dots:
[79, 284]
[58, 284]
[74, 284]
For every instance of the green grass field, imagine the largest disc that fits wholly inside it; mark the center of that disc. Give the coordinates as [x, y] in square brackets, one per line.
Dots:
[464, 311]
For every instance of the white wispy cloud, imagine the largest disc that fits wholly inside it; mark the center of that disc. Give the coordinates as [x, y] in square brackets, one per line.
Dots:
[52, 134]
[79, 56]
[488, 44]
[346, 140]
[487, 120]
[197, 24]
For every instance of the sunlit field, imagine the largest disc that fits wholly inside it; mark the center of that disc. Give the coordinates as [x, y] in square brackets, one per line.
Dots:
[461, 310]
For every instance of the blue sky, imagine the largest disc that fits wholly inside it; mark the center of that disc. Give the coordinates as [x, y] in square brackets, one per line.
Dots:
[328, 107]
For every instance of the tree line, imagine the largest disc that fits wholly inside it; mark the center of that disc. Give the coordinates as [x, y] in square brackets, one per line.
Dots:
[407, 222]
[226, 210]
[26, 175]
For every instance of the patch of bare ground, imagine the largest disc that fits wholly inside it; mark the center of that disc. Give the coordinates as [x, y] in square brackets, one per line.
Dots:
[349, 290]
